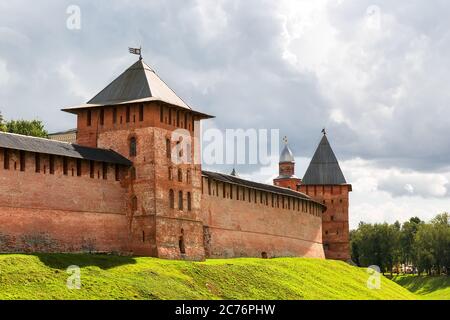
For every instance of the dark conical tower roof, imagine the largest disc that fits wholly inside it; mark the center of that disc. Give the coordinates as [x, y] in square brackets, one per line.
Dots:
[324, 167]
[137, 82]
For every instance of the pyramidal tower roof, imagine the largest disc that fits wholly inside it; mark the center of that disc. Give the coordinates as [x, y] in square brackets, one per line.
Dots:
[139, 83]
[324, 168]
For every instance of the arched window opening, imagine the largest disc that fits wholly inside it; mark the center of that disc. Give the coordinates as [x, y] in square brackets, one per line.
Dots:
[180, 175]
[78, 167]
[133, 150]
[104, 170]
[65, 166]
[114, 116]
[22, 160]
[6, 159]
[168, 148]
[37, 161]
[89, 118]
[181, 243]
[188, 176]
[180, 200]
[141, 112]
[102, 117]
[170, 173]
[51, 164]
[189, 206]
[171, 199]
[127, 114]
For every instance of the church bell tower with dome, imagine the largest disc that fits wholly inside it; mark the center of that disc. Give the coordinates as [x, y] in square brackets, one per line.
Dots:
[286, 177]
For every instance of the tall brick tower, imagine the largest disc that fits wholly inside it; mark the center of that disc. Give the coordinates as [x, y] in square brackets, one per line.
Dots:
[325, 182]
[140, 117]
[286, 177]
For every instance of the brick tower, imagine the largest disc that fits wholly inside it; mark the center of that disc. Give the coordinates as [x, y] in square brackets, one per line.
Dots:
[325, 183]
[140, 117]
[286, 177]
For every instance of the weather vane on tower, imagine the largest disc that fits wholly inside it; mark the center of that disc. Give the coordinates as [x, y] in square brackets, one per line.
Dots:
[137, 51]
[285, 140]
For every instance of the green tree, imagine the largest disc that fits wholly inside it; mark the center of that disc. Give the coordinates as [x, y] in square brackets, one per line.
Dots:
[406, 240]
[2, 124]
[441, 241]
[33, 128]
[375, 244]
[423, 248]
[432, 245]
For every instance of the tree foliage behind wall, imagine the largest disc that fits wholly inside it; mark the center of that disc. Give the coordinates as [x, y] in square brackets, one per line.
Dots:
[2, 124]
[424, 245]
[33, 128]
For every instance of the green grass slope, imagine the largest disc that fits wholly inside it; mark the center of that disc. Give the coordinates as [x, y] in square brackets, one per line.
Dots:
[44, 276]
[428, 287]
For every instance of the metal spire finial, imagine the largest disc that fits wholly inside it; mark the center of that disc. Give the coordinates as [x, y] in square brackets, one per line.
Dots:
[324, 131]
[136, 51]
[285, 140]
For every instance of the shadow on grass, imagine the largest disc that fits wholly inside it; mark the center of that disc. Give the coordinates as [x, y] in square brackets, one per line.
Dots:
[64, 260]
[424, 284]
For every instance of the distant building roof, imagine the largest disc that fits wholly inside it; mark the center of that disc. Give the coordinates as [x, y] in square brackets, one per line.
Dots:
[64, 136]
[63, 132]
[41, 145]
[324, 167]
[255, 185]
[139, 83]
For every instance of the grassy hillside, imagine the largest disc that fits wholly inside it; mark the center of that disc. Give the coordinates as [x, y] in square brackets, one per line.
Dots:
[111, 277]
[428, 287]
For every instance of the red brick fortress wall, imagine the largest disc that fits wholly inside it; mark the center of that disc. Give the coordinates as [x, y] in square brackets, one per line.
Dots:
[44, 212]
[238, 227]
[335, 220]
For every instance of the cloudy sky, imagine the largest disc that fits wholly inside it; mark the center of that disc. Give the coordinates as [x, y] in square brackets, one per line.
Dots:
[374, 73]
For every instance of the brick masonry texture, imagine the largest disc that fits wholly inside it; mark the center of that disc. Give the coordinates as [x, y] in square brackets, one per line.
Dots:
[156, 207]
[335, 220]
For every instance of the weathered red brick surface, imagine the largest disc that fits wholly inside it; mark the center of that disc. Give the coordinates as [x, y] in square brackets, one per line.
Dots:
[243, 228]
[335, 222]
[57, 213]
